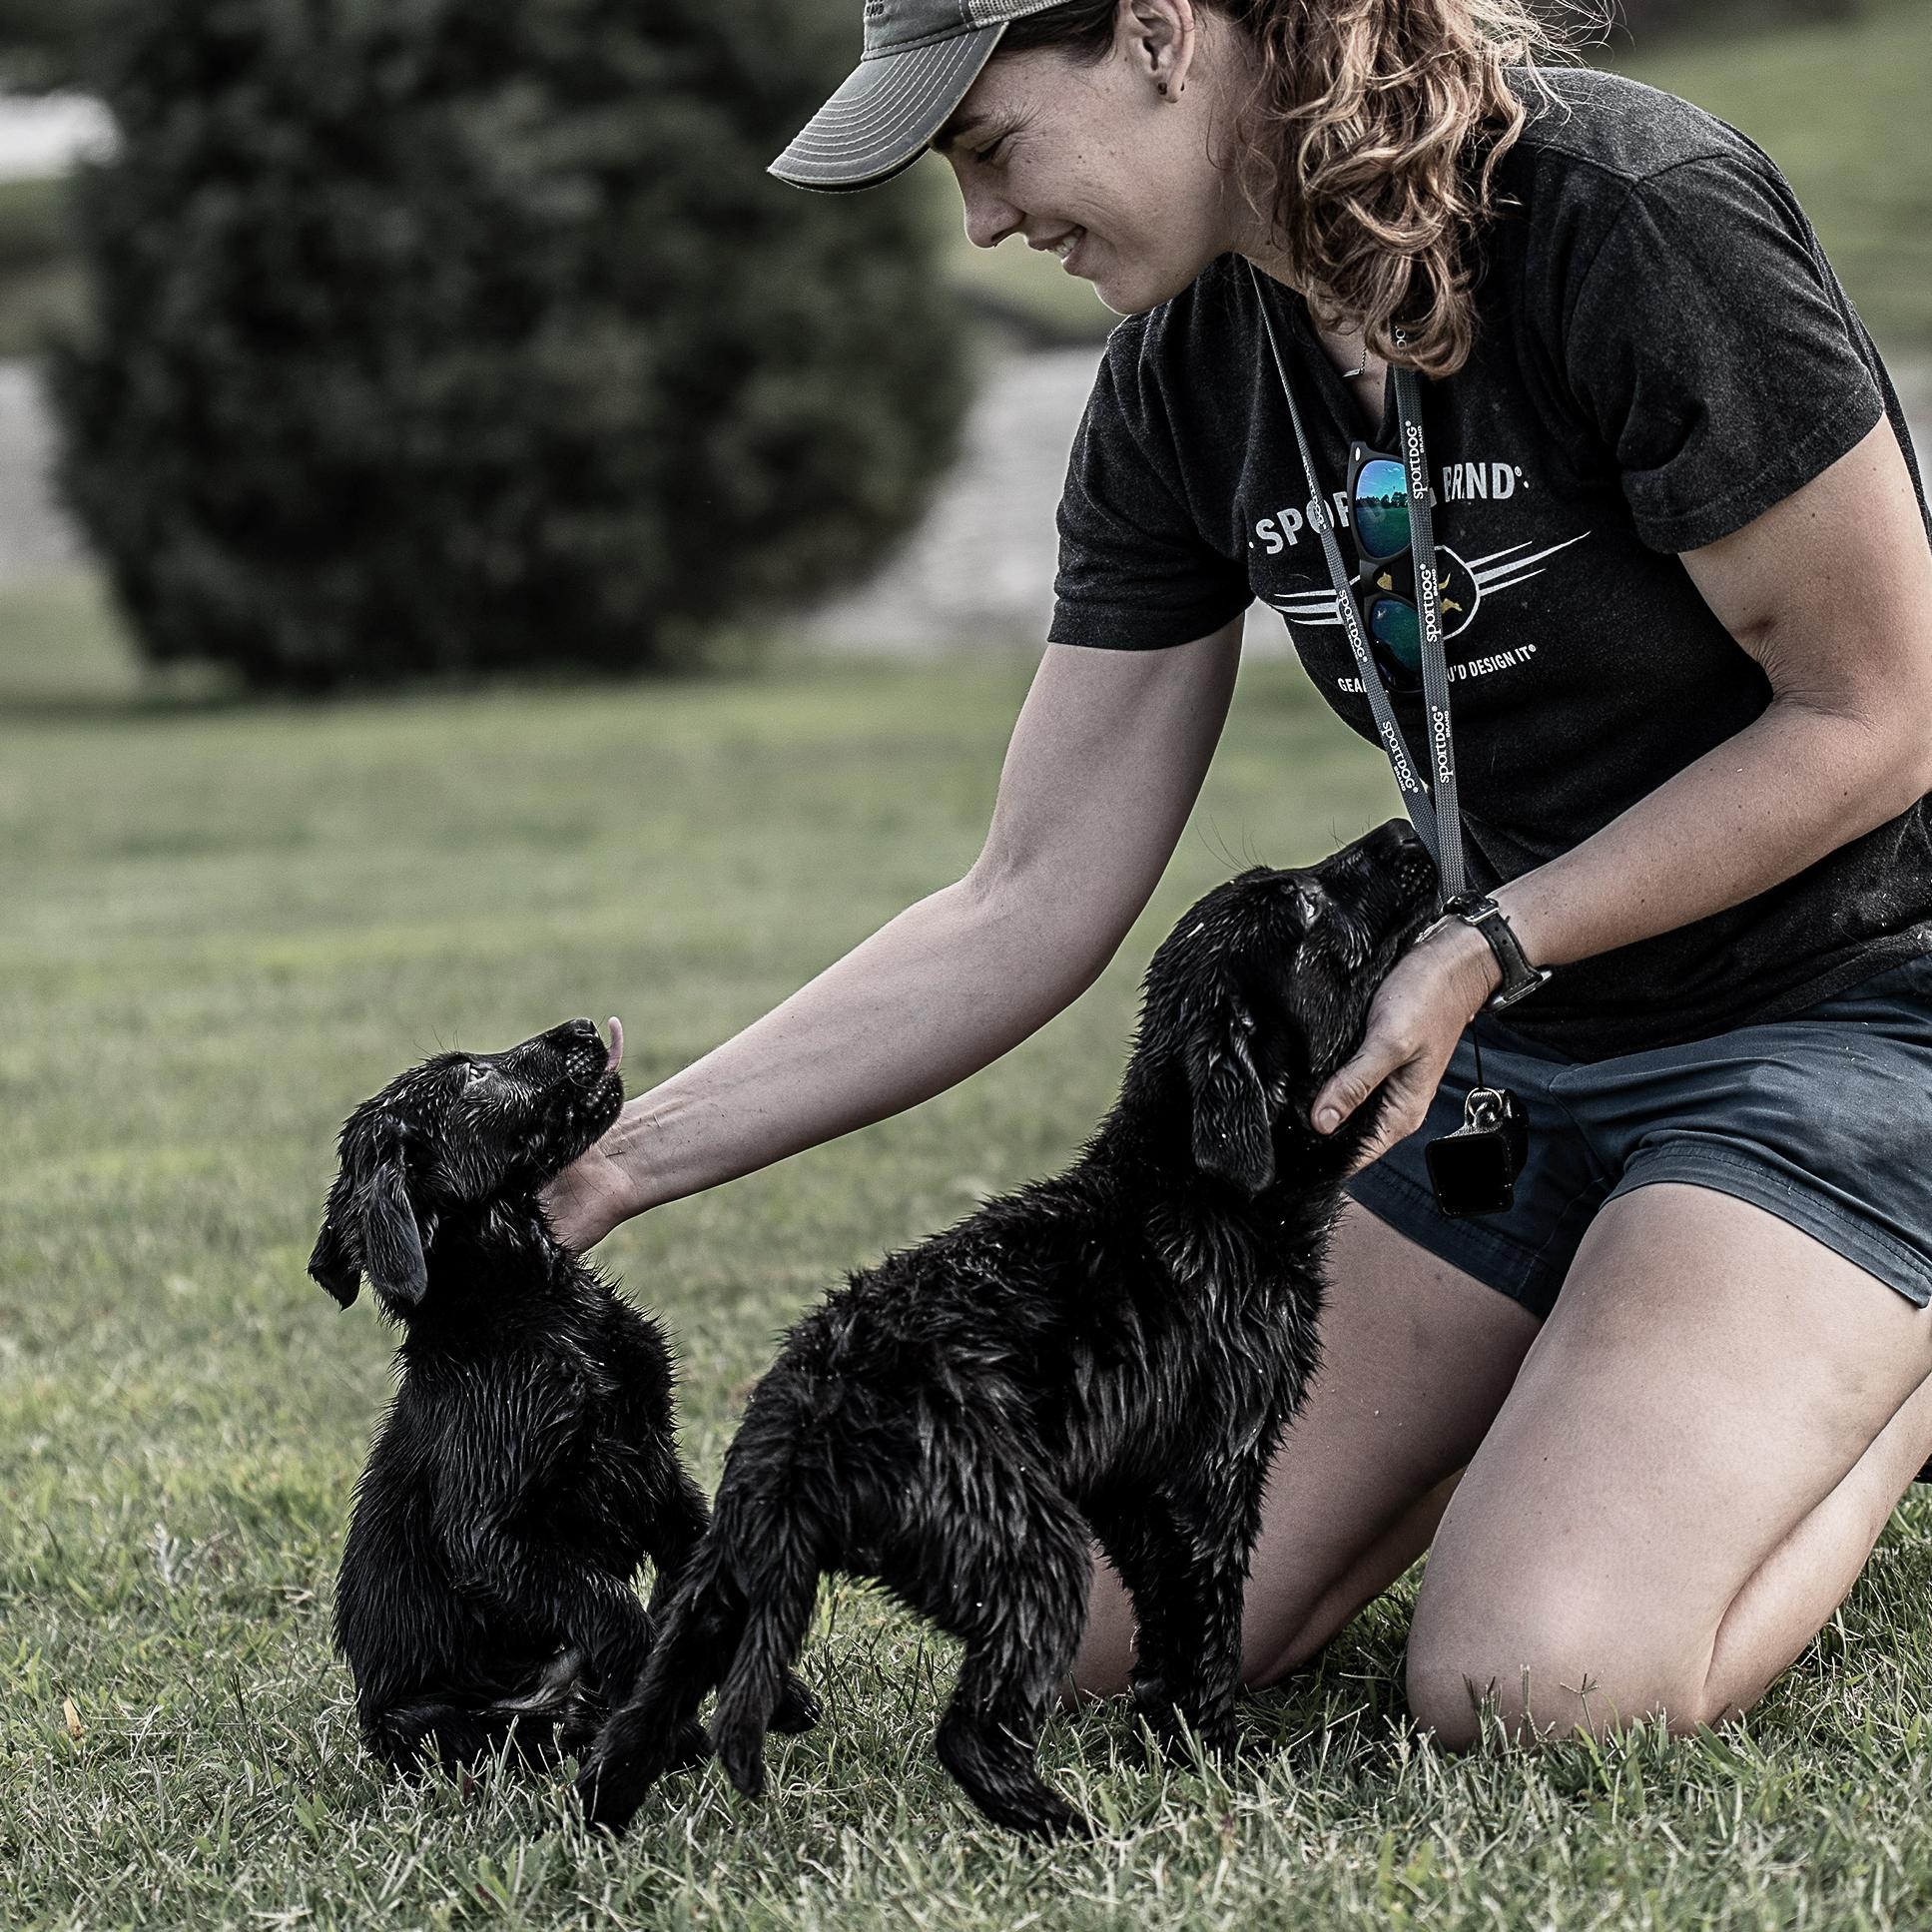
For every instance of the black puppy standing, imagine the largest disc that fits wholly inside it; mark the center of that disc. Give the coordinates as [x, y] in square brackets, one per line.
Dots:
[1110, 1354]
[528, 1462]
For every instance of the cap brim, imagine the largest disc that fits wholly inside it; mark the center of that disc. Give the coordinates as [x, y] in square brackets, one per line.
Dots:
[889, 108]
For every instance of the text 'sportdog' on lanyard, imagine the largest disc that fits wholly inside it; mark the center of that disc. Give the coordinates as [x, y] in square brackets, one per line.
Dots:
[1431, 803]
[1473, 1171]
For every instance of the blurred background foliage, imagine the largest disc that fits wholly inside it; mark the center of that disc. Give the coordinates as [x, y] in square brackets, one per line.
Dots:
[430, 335]
[41, 285]
[426, 335]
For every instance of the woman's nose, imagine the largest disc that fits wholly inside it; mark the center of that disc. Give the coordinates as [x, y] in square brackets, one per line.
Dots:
[988, 220]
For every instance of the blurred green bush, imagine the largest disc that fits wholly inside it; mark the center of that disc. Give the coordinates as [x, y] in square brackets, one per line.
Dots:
[431, 336]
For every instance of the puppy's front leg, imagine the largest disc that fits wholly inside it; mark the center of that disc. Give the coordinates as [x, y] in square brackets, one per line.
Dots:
[1185, 1559]
[499, 1512]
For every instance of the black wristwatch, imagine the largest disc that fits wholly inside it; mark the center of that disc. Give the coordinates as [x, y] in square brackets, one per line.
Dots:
[1520, 977]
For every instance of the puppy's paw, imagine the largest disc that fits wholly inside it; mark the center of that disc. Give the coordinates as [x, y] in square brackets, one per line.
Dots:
[1052, 1821]
[1187, 1740]
[1219, 1744]
[1182, 1739]
[1245, 1748]
[610, 1793]
[1154, 1732]
[691, 1747]
[798, 1709]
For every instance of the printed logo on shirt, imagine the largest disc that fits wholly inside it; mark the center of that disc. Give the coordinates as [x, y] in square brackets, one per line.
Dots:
[1463, 588]
[1460, 484]
[1466, 582]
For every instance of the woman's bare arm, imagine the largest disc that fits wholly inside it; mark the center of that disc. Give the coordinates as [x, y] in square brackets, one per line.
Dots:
[1104, 766]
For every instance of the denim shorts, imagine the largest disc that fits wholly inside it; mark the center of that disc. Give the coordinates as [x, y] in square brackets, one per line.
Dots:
[1823, 1119]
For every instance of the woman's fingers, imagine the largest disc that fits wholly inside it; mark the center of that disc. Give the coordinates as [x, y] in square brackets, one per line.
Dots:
[578, 1204]
[1383, 1051]
[1411, 1088]
[1396, 1062]
[1417, 1016]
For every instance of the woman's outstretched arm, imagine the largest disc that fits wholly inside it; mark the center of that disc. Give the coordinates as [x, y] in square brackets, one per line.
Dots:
[1104, 766]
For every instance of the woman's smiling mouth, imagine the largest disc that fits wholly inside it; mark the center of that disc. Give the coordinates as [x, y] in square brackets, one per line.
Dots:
[1065, 246]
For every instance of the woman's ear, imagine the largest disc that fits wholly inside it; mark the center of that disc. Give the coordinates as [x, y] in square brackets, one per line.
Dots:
[1232, 1135]
[1162, 38]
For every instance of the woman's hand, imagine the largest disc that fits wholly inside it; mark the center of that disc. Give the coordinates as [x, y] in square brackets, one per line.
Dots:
[1419, 1013]
[587, 1199]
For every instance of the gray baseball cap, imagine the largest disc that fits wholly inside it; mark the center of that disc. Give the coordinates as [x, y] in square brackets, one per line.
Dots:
[921, 58]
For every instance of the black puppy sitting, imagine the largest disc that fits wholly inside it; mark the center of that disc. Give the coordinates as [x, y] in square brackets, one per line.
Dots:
[1110, 1354]
[528, 1460]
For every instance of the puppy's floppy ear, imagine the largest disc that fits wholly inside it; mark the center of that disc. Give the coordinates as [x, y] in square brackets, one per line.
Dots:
[333, 1261]
[1233, 1138]
[370, 1226]
[392, 1241]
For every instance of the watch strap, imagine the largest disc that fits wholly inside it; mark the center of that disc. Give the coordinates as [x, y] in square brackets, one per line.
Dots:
[1520, 977]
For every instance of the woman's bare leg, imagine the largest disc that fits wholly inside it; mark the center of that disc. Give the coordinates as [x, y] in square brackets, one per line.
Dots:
[1703, 1446]
[1416, 1359]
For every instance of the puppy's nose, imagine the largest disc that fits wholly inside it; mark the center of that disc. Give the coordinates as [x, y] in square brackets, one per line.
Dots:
[1393, 837]
[577, 1033]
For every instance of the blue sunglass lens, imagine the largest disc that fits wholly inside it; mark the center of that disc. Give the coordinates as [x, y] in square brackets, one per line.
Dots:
[1381, 508]
[1397, 627]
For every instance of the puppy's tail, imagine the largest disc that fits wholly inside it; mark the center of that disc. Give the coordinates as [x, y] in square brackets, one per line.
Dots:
[759, 1693]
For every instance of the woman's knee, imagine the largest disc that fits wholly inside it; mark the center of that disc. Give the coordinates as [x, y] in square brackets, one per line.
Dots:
[1548, 1656]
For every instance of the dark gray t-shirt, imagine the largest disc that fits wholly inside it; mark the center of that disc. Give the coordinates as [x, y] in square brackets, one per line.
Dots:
[1663, 355]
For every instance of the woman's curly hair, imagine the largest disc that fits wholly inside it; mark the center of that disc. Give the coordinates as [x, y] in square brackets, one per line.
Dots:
[1369, 143]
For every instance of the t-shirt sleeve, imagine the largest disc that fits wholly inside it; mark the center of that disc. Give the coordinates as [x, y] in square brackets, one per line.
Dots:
[1715, 351]
[1135, 572]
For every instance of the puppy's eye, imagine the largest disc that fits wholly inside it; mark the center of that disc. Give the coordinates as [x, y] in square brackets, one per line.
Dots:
[475, 1077]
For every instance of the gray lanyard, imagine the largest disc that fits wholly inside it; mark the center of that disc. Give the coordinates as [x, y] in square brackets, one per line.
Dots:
[1435, 817]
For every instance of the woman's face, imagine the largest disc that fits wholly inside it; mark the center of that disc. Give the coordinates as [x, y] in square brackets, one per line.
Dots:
[1095, 164]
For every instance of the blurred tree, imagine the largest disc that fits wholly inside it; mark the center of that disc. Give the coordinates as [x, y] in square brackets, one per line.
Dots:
[34, 36]
[33, 23]
[450, 334]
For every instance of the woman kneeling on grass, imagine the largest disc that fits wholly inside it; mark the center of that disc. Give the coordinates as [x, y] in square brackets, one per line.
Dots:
[1650, 1421]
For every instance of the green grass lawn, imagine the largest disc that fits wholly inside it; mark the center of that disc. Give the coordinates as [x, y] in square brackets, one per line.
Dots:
[221, 925]
[1841, 107]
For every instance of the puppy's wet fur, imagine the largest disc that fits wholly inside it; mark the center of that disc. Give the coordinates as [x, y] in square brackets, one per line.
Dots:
[1113, 1353]
[528, 1462]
